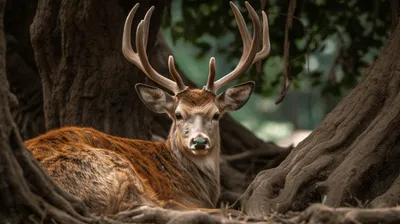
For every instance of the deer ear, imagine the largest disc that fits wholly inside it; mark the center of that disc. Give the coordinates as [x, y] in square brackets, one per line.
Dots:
[154, 98]
[235, 97]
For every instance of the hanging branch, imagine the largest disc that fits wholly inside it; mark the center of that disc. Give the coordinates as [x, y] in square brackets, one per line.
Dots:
[285, 76]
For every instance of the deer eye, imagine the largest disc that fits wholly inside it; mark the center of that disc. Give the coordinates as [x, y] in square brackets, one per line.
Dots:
[178, 116]
[216, 116]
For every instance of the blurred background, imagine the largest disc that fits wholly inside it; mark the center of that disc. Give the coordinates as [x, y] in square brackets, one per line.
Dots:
[331, 43]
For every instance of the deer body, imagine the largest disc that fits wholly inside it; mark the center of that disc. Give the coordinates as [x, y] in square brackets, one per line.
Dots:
[112, 174]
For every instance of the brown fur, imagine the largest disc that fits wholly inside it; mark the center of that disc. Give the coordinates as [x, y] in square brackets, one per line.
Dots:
[111, 174]
[196, 101]
[195, 97]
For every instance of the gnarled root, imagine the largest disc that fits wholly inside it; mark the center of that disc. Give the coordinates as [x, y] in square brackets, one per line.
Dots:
[319, 213]
[353, 156]
[146, 214]
[390, 198]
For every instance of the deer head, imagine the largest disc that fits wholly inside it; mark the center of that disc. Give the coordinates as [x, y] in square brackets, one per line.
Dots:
[196, 113]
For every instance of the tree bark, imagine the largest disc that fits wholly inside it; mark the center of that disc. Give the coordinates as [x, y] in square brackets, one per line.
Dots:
[351, 158]
[22, 191]
[21, 68]
[86, 80]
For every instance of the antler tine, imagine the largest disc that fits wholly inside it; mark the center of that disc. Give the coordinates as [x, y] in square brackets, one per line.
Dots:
[126, 39]
[174, 73]
[266, 48]
[250, 48]
[211, 75]
[244, 33]
[140, 58]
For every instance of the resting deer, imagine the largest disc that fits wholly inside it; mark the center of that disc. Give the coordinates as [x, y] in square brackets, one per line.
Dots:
[111, 174]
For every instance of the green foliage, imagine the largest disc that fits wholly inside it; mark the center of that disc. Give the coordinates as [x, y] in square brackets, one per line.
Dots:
[357, 28]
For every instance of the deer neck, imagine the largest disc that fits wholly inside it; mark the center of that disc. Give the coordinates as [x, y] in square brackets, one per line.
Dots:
[204, 170]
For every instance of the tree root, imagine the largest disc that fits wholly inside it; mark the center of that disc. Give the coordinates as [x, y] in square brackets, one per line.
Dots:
[319, 213]
[390, 198]
[353, 156]
[146, 214]
[271, 154]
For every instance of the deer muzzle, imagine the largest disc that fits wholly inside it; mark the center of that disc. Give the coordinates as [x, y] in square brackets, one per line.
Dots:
[200, 145]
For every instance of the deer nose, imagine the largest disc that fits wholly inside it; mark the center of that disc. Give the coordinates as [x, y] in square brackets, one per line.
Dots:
[199, 142]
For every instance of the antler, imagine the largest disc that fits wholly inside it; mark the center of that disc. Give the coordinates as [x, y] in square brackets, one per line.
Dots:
[140, 59]
[250, 54]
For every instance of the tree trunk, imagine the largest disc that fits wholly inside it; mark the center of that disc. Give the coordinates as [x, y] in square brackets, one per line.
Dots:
[351, 158]
[86, 79]
[21, 68]
[26, 192]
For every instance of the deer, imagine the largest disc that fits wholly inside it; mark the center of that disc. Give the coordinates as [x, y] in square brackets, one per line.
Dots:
[110, 173]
